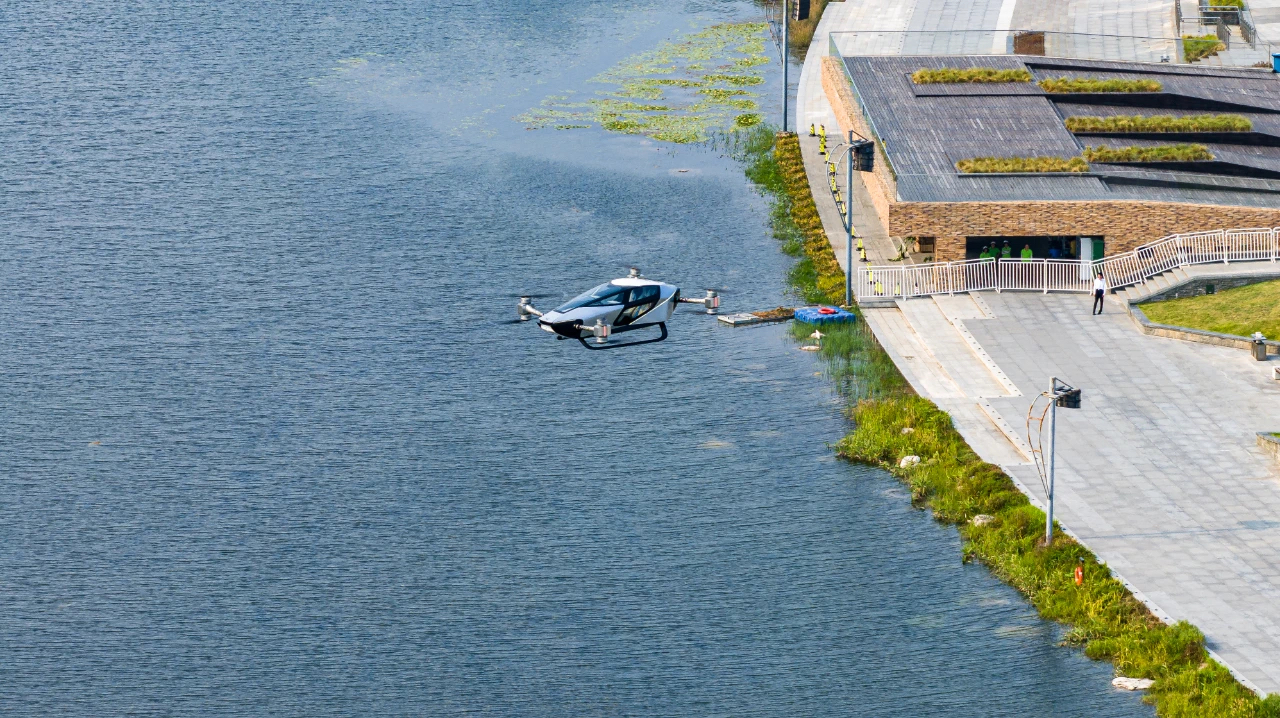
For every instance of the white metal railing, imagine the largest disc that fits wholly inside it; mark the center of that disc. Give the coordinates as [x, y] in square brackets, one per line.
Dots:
[1069, 275]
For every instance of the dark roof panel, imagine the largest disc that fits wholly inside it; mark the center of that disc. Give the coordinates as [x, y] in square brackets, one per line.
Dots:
[926, 129]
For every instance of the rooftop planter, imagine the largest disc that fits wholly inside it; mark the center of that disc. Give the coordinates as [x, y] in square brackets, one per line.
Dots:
[1160, 123]
[1083, 84]
[1022, 165]
[1158, 153]
[955, 75]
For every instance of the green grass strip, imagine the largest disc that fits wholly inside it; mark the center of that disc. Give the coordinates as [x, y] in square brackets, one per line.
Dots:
[1083, 84]
[983, 165]
[1158, 153]
[952, 75]
[1198, 47]
[1160, 123]
[1240, 311]
[1106, 621]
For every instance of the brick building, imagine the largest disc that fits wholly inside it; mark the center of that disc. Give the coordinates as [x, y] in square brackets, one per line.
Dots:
[922, 130]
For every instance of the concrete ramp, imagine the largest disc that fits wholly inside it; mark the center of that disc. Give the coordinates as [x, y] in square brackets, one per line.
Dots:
[952, 348]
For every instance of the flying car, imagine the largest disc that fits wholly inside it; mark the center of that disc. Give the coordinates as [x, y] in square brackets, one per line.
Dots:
[620, 305]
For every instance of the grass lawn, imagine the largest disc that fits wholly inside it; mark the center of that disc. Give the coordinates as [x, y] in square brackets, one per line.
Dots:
[1241, 311]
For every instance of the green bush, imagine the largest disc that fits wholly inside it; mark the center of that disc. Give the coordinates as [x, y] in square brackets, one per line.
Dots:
[928, 76]
[1198, 47]
[1227, 3]
[1158, 153]
[1160, 123]
[983, 165]
[1082, 84]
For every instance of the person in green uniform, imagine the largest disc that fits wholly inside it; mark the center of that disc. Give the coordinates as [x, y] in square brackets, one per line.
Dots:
[986, 253]
[1027, 254]
[1006, 251]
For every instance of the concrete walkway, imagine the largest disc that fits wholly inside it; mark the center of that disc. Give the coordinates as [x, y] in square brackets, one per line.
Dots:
[1158, 473]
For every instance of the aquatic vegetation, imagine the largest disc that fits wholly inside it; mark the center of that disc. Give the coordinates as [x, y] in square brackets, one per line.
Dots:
[681, 91]
[735, 80]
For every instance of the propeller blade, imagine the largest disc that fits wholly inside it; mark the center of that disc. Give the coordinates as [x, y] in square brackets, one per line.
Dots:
[534, 296]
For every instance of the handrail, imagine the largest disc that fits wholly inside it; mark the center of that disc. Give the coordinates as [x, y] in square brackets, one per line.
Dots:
[1070, 275]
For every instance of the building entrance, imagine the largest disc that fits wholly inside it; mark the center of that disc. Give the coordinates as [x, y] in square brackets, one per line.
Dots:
[1042, 247]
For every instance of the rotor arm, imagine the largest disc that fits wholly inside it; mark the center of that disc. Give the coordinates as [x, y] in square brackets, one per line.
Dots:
[711, 301]
[525, 309]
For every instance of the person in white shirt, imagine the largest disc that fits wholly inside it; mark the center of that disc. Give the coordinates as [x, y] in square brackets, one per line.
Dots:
[1099, 291]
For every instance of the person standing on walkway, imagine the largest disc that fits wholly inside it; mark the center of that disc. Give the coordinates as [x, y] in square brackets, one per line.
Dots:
[1006, 252]
[1099, 291]
[1027, 254]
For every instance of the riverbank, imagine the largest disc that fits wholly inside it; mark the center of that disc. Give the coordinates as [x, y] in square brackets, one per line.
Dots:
[891, 424]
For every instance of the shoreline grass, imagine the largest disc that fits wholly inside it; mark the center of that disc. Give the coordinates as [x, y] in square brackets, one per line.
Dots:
[1240, 311]
[800, 34]
[773, 162]
[1106, 621]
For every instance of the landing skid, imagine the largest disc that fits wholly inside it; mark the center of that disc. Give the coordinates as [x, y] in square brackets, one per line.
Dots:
[593, 347]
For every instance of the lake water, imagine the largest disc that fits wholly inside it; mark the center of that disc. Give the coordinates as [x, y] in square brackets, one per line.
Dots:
[269, 450]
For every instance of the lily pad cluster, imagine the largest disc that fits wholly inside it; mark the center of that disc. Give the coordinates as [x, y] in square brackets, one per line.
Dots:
[681, 91]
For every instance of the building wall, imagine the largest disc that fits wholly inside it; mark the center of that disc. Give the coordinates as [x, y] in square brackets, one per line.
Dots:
[880, 184]
[1123, 224]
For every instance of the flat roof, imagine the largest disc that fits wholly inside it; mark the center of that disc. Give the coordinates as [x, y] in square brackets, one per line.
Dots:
[925, 129]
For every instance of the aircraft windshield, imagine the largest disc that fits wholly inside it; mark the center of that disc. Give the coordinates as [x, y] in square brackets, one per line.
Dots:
[603, 295]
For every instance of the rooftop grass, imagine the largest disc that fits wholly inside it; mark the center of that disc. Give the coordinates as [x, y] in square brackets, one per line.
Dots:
[955, 75]
[1160, 123]
[1240, 311]
[1084, 84]
[1198, 47]
[1158, 153]
[1226, 3]
[986, 165]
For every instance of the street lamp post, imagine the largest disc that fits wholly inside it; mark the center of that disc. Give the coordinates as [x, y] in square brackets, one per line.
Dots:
[859, 153]
[1068, 397]
[786, 21]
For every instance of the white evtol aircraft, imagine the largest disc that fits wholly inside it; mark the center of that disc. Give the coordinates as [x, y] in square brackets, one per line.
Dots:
[621, 305]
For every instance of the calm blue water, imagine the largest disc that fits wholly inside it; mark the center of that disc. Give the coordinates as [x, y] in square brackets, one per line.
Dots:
[266, 449]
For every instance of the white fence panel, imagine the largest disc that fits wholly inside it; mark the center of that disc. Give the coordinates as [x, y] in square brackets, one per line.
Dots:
[1064, 275]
